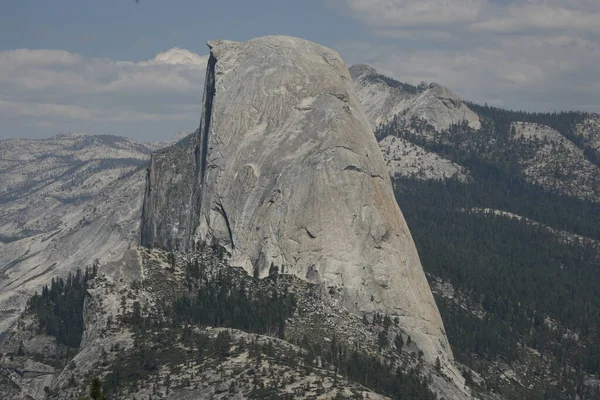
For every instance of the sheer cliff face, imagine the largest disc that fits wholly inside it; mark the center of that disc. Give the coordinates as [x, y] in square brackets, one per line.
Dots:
[285, 170]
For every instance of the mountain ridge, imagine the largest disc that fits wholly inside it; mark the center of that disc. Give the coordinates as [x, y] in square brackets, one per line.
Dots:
[448, 181]
[567, 164]
[510, 249]
[384, 98]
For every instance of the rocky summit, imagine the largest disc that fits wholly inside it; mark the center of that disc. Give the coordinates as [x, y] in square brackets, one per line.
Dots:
[384, 98]
[286, 171]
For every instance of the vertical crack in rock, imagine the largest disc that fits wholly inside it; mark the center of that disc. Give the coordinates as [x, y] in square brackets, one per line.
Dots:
[206, 115]
[146, 233]
[201, 153]
[223, 213]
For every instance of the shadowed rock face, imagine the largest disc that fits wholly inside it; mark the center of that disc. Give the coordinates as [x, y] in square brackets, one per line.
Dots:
[285, 170]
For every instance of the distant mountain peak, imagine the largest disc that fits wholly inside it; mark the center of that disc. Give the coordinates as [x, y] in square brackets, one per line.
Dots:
[266, 205]
[361, 70]
[177, 136]
[68, 135]
[383, 98]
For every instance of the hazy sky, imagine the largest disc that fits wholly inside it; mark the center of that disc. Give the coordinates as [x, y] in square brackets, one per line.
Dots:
[137, 69]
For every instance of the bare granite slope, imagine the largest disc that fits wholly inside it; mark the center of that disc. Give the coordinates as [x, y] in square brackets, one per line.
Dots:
[286, 171]
[407, 159]
[433, 102]
[64, 202]
[385, 100]
[589, 132]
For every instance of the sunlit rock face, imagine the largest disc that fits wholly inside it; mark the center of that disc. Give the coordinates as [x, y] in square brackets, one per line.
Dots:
[285, 170]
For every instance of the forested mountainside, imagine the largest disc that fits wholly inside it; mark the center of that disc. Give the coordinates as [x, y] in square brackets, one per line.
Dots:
[513, 252]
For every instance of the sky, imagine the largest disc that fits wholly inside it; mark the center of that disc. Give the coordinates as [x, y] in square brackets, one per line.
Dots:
[137, 69]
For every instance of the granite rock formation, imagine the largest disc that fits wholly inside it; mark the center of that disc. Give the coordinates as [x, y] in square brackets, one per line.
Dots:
[286, 171]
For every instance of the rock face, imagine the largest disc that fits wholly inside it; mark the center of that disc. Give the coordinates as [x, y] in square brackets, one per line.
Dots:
[383, 99]
[285, 170]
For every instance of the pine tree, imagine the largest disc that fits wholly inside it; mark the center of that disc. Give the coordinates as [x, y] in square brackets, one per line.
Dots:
[96, 392]
[399, 342]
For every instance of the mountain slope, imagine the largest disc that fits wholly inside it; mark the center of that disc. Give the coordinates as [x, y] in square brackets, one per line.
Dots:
[386, 100]
[517, 288]
[588, 132]
[147, 335]
[284, 180]
[555, 163]
[559, 152]
[404, 158]
[64, 202]
[504, 285]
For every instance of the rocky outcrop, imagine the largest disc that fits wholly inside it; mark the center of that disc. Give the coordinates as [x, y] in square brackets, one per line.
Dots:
[285, 170]
[380, 101]
[179, 367]
[406, 159]
[170, 186]
[442, 108]
[555, 163]
[589, 133]
[384, 98]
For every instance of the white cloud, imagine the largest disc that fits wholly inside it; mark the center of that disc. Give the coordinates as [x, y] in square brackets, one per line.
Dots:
[538, 15]
[479, 15]
[529, 73]
[411, 13]
[532, 54]
[49, 113]
[39, 58]
[45, 110]
[177, 56]
[49, 87]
